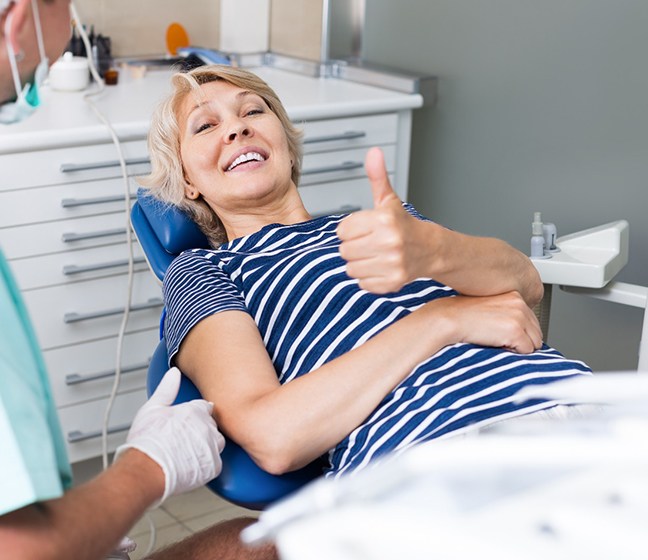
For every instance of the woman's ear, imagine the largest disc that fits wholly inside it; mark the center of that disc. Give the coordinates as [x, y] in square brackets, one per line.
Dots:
[191, 192]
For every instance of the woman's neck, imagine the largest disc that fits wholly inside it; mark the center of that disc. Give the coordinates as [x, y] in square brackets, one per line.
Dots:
[246, 223]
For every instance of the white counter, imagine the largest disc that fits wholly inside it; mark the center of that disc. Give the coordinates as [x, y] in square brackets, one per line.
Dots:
[65, 119]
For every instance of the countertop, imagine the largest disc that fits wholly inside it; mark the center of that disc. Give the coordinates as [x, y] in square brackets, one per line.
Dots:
[65, 119]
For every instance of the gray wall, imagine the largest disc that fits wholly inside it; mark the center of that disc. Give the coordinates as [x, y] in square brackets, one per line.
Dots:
[543, 106]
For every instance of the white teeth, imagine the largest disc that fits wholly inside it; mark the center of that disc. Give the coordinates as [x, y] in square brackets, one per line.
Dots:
[250, 156]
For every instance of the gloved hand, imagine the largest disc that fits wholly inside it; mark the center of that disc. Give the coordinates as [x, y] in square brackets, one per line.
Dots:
[183, 439]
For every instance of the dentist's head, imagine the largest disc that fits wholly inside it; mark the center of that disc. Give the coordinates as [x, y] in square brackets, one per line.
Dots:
[32, 33]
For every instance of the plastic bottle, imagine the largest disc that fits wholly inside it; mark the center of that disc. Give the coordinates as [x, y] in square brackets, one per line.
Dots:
[537, 237]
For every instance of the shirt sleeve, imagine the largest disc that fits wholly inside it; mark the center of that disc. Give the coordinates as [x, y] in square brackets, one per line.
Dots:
[195, 287]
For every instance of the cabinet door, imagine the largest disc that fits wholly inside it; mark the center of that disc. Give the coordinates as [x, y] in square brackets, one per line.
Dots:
[82, 424]
[33, 240]
[61, 202]
[76, 266]
[349, 133]
[86, 372]
[83, 311]
[75, 164]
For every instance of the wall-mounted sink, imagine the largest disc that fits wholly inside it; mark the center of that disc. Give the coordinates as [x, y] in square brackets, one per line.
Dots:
[588, 258]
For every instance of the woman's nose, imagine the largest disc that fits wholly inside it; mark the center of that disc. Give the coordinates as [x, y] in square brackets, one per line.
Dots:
[237, 130]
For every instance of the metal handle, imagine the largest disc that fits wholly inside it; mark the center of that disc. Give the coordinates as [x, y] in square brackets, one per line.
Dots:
[346, 209]
[71, 269]
[70, 167]
[74, 202]
[349, 135]
[344, 166]
[76, 379]
[76, 436]
[70, 237]
[74, 317]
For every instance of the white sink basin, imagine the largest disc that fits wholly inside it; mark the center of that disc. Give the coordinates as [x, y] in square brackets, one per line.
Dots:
[588, 258]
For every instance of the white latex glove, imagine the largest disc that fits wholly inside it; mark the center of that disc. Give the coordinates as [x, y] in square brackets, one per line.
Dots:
[183, 439]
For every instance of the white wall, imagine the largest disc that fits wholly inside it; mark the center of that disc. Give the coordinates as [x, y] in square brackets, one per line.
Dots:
[543, 106]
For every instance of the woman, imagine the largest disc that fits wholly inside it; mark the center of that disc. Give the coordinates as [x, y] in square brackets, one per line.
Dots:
[393, 358]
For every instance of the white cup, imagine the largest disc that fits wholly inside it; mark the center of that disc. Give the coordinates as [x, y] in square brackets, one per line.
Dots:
[69, 73]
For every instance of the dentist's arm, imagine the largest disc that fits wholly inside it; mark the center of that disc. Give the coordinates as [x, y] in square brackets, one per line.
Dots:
[169, 449]
[386, 248]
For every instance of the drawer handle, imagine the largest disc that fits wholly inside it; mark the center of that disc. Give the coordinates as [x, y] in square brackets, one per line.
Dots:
[70, 167]
[77, 317]
[74, 202]
[76, 436]
[76, 379]
[70, 237]
[349, 135]
[344, 166]
[346, 209]
[71, 269]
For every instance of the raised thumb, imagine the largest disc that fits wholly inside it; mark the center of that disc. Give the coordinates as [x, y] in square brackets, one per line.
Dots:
[377, 174]
[167, 389]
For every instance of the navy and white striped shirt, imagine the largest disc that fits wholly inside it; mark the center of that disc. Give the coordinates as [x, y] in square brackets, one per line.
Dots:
[291, 279]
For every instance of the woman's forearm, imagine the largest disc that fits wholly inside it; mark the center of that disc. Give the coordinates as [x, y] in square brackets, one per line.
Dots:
[286, 426]
[478, 266]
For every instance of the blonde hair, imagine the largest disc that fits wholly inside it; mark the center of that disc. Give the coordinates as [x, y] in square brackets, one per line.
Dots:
[167, 181]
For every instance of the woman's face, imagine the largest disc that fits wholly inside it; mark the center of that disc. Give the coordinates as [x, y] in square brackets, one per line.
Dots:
[234, 149]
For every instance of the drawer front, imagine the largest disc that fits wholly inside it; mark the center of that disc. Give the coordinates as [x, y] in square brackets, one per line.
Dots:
[74, 266]
[340, 165]
[341, 197]
[67, 235]
[349, 133]
[62, 202]
[70, 165]
[85, 372]
[82, 424]
[84, 311]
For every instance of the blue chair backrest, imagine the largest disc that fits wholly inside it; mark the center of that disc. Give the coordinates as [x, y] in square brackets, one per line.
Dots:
[164, 231]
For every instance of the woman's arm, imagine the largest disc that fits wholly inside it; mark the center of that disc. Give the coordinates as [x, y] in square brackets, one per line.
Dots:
[283, 427]
[386, 248]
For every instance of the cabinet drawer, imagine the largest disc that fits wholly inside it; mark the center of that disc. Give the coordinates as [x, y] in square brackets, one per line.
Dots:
[340, 165]
[84, 311]
[82, 424]
[67, 235]
[86, 371]
[62, 202]
[348, 133]
[75, 266]
[341, 197]
[70, 165]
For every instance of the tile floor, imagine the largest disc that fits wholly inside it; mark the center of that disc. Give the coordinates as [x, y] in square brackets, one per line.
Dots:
[180, 516]
[177, 518]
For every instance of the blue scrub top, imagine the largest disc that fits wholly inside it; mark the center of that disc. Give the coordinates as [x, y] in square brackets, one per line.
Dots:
[33, 460]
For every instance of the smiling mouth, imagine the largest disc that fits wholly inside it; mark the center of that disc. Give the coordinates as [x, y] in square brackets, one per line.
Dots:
[245, 158]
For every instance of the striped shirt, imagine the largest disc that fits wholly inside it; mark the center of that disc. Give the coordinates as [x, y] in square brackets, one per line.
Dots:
[291, 279]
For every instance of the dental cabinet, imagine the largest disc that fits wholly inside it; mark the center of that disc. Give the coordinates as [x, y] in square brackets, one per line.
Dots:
[63, 222]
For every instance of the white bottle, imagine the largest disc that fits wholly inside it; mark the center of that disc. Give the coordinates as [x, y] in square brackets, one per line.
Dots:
[537, 238]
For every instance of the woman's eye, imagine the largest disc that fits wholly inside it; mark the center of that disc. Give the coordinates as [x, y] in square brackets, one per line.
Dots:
[254, 112]
[202, 127]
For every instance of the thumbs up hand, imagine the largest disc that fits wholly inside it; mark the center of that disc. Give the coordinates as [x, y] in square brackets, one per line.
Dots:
[381, 246]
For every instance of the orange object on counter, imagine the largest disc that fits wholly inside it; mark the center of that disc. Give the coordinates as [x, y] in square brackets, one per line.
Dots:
[176, 38]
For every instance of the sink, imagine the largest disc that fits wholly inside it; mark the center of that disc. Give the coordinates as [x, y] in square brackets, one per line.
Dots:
[588, 258]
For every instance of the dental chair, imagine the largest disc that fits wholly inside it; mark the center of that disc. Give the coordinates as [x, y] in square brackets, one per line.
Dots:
[164, 232]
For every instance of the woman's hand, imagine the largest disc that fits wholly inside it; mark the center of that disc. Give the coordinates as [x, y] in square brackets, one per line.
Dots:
[501, 321]
[381, 246]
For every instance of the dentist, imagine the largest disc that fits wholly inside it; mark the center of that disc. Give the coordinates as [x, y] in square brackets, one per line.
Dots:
[169, 449]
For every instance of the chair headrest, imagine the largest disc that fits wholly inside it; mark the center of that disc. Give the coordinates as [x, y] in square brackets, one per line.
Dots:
[174, 229]
[163, 232]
